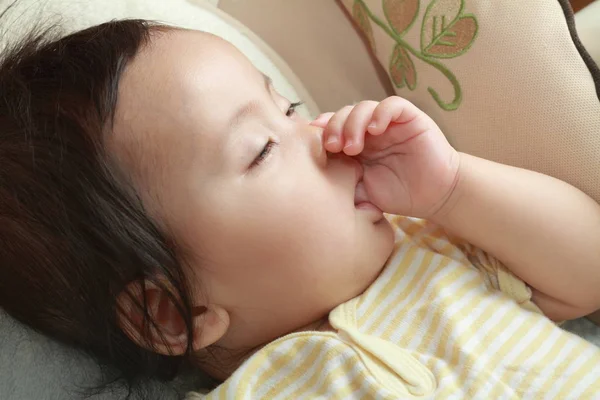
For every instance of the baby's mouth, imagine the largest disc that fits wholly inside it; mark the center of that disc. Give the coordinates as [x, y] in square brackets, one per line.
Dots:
[362, 202]
[360, 194]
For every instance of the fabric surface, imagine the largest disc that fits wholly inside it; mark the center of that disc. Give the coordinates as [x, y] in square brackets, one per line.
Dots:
[31, 365]
[504, 80]
[321, 44]
[35, 367]
[443, 320]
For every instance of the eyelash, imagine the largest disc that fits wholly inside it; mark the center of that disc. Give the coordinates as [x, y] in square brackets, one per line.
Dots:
[271, 144]
[266, 151]
[292, 108]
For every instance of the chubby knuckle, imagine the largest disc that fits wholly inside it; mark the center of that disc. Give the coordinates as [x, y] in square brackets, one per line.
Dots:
[345, 109]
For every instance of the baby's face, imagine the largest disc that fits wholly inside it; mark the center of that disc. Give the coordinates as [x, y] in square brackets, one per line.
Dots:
[264, 217]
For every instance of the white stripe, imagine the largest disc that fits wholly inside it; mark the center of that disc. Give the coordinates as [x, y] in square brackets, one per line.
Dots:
[405, 325]
[544, 348]
[546, 373]
[392, 297]
[496, 343]
[285, 371]
[592, 377]
[532, 334]
[436, 304]
[315, 368]
[568, 374]
[450, 312]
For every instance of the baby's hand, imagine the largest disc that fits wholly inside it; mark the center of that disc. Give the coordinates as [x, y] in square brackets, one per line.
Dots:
[409, 166]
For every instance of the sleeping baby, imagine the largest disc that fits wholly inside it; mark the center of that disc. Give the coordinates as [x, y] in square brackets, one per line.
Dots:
[162, 207]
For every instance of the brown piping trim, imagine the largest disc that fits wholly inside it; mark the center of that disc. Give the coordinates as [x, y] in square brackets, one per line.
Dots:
[591, 64]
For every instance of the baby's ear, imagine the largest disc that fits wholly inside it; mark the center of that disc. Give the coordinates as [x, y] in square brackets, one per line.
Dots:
[160, 327]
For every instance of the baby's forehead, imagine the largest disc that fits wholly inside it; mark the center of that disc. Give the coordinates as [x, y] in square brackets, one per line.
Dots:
[179, 65]
[174, 98]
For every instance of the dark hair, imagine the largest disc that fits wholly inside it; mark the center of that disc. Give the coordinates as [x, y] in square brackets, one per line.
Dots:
[72, 232]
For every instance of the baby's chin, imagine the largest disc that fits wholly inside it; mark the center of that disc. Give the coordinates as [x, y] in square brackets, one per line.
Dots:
[383, 243]
[380, 249]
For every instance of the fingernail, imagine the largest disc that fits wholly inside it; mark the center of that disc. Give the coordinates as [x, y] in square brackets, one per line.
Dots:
[348, 144]
[372, 125]
[332, 140]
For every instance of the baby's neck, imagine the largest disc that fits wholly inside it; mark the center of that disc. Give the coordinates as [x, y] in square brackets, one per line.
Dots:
[220, 363]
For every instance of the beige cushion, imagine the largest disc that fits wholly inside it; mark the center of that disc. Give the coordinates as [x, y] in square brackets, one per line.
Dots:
[504, 79]
[321, 45]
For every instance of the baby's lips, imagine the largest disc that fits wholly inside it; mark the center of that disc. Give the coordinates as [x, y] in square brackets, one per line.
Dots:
[360, 194]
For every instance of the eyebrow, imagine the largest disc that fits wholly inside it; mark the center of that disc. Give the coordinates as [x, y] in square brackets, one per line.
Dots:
[251, 106]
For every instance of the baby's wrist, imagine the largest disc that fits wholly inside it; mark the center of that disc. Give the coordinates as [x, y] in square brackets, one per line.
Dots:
[443, 215]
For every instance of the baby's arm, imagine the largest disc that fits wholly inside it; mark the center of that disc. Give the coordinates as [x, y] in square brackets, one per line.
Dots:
[544, 230]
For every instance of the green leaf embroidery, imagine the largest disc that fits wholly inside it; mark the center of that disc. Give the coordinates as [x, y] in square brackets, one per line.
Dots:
[445, 32]
[361, 16]
[402, 69]
[401, 14]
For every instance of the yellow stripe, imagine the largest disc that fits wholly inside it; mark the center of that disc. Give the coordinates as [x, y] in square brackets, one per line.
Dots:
[317, 373]
[250, 371]
[459, 316]
[462, 339]
[561, 365]
[333, 375]
[354, 385]
[548, 358]
[392, 311]
[500, 387]
[454, 253]
[578, 375]
[302, 364]
[292, 355]
[223, 392]
[526, 354]
[455, 297]
[515, 338]
[390, 285]
[410, 305]
[483, 344]
[411, 227]
[396, 220]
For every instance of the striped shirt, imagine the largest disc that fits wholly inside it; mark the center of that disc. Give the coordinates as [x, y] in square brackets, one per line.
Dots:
[444, 320]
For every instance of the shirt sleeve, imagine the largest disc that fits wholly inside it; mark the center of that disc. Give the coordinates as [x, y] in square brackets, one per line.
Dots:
[498, 276]
[495, 274]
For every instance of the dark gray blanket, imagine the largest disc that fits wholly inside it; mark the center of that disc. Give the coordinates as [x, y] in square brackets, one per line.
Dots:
[34, 367]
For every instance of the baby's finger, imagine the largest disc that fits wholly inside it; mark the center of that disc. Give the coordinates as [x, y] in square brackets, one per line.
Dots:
[393, 109]
[322, 120]
[332, 135]
[356, 126]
